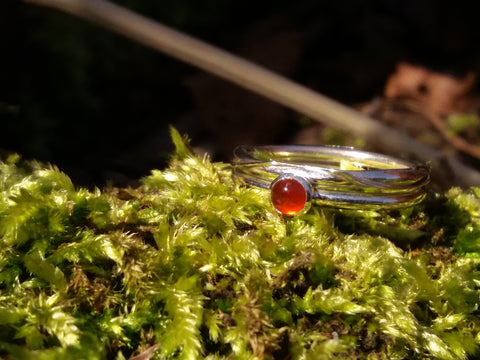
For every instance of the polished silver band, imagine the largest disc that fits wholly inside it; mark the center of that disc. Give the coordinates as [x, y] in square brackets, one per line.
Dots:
[342, 177]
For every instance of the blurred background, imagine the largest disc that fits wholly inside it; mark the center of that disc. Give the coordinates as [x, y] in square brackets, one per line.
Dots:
[99, 105]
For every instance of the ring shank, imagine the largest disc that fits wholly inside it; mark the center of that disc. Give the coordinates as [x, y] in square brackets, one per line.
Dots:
[339, 176]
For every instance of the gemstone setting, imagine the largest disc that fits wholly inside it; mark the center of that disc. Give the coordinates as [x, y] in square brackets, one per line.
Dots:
[289, 194]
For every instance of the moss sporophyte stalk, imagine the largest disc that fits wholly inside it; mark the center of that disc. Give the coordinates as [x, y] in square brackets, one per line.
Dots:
[195, 265]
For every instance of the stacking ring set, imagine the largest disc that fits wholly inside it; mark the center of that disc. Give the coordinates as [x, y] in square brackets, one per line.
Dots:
[332, 176]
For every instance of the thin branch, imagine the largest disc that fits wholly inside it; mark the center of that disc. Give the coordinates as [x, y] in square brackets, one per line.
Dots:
[457, 141]
[254, 78]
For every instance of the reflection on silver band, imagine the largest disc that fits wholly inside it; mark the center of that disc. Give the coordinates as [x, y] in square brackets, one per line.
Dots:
[342, 177]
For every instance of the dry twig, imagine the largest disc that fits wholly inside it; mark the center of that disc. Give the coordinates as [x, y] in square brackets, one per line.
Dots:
[457, 141]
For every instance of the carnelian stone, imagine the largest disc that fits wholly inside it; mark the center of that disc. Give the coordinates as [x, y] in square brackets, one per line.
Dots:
[288, 195]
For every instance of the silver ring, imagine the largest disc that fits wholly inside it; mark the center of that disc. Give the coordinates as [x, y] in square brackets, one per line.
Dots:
[335, 176]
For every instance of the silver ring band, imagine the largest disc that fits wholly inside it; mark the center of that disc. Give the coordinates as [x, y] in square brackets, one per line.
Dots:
[337, 176]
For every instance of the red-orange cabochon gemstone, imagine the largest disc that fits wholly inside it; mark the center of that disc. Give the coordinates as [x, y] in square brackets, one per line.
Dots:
[288, 196]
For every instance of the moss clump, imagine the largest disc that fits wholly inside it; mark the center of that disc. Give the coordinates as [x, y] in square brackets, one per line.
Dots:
[193, 265]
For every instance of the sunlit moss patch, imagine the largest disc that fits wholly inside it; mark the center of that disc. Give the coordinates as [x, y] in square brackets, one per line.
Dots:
[194, 265]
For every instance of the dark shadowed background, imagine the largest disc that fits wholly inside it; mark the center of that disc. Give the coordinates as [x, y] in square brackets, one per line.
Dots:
[99, 106]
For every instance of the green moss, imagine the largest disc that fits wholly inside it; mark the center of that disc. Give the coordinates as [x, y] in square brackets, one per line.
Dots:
[195, 265]
[459, 123]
